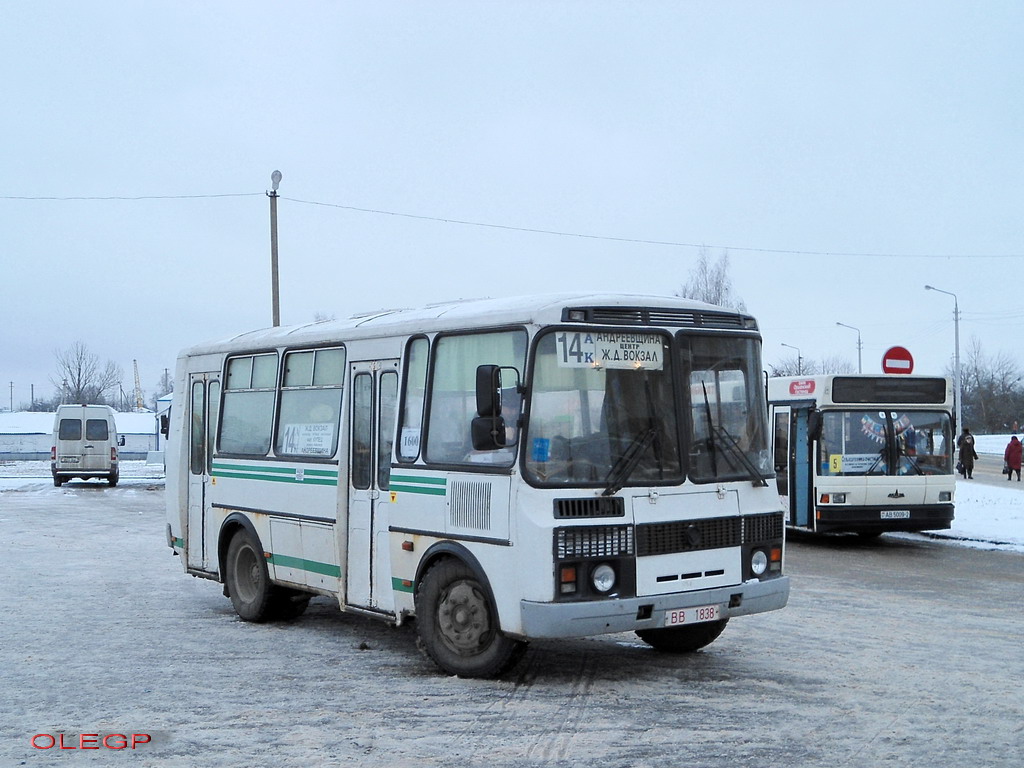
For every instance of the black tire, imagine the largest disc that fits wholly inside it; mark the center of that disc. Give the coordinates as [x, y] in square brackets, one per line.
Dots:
[58, 481]
[248, 580]
[682, 639]
[113, 478]
[457, 624]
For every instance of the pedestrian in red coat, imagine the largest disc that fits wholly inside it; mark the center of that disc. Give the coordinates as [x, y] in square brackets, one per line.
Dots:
[1012, 456]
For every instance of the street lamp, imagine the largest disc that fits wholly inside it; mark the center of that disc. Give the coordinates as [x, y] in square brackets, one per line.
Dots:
[860, 346]
[799, 359]
[956, 352]
[275, 179]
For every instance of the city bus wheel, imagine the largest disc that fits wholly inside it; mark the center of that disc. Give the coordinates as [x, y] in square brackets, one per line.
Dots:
[457, 626]
[247, 579]
[682, 639]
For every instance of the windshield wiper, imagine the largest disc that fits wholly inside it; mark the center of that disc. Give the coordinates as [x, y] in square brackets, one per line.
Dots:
[627, 462]
[729, 445]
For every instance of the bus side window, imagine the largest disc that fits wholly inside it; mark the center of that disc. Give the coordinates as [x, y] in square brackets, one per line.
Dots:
[413, 396]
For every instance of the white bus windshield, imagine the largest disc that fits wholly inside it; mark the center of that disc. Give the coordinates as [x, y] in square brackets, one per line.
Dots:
[885, 442]
[602, 410]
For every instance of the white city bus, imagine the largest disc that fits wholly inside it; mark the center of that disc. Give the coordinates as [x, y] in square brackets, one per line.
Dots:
[501, 470]
[864, 454]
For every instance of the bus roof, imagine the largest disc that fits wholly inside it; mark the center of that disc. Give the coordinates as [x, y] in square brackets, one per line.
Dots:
[600, 309]
[862, 389]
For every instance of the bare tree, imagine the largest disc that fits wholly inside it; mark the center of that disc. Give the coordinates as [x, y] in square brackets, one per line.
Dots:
[711, 282]
[807, 366]
[993, 400]
[81, 378]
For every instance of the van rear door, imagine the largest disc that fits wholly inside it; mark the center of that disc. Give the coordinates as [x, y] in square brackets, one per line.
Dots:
[69, 440]
[96, 447]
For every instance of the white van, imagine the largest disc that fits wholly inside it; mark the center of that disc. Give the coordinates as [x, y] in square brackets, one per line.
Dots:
[85, 443]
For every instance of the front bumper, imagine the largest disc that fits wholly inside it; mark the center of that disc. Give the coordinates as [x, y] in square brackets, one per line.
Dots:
[597, 617]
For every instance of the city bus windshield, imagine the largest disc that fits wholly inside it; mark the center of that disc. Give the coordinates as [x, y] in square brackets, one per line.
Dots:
[602, 410]
[728, 435]
[885, 442]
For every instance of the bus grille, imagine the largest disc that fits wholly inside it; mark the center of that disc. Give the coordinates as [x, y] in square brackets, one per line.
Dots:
[760, 528]
[688, 318]
[593, 541]
[687, 536]
[600, 506]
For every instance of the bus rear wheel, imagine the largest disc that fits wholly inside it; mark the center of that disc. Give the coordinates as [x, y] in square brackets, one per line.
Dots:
[683, 639]
[457, 626]
[247, 578]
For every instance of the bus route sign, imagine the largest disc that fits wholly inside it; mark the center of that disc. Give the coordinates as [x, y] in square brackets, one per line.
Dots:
[897, 360]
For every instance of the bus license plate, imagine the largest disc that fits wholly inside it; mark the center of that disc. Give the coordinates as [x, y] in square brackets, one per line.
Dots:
[895, 514]
[695, 615]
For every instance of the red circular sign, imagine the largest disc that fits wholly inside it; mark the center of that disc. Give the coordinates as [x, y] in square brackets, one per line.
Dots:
[897, 360]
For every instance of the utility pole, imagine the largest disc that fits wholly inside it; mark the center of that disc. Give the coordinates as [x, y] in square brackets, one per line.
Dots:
[12, 397]
[860, 367]
[956, 353]
[275, 179]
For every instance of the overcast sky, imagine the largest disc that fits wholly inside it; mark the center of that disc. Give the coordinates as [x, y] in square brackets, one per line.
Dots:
[844, 154]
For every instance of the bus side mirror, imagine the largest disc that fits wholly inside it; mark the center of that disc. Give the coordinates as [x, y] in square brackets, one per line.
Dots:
[488, 427]
[120, 440]
[165, 424]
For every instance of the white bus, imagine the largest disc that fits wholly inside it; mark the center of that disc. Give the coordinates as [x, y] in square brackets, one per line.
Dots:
[500, 470]
[864, 454]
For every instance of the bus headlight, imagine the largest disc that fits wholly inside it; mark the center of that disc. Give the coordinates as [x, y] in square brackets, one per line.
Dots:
[758, 562]
[603, 578]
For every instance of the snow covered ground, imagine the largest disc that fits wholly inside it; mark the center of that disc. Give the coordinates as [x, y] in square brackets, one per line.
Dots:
[987, 517]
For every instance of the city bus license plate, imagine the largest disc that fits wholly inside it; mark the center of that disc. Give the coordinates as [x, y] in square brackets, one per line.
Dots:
[895, 514]
[695, 615]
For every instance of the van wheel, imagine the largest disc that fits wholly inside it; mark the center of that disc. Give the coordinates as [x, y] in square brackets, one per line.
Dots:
[457, 627]
[247, 579]
[58, 481]
[113, 478]
[682, 639]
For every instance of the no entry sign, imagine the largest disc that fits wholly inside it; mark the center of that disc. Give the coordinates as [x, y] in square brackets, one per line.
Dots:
[897, 360]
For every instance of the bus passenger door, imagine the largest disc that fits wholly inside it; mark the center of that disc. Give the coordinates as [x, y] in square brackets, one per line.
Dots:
[374, 389]
[203, 402]
[801, 475]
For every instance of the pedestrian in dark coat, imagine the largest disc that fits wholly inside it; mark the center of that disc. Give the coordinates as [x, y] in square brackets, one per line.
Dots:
[1012, 456]
[967, 453]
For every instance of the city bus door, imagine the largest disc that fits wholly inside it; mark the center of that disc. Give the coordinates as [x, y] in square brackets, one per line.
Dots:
[204, 397]
[374, 392]
[801, 475]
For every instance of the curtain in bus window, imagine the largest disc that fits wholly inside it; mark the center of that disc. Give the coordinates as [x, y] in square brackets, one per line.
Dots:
[453, 393]
[885, 442]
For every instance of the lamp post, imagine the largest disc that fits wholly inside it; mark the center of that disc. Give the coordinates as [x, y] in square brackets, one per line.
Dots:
[860, 368]
[956, 352]
[799, 359]
[275, 179]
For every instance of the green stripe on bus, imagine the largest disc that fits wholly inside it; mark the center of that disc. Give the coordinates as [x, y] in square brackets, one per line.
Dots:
[271, 469]
[285, 561]
[419, 479]
[277, 479]
[402, 585]
[179, 543]
[416, 489]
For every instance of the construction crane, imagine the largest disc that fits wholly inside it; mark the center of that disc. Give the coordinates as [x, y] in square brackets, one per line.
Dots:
[139, 405]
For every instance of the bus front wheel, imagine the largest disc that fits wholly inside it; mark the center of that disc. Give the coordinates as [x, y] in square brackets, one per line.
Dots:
[683, 639]
[457, 626]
